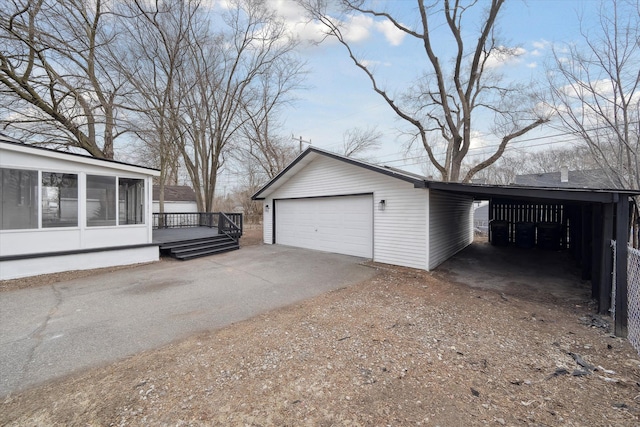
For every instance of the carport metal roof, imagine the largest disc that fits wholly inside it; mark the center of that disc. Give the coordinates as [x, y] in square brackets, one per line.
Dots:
[482, 191]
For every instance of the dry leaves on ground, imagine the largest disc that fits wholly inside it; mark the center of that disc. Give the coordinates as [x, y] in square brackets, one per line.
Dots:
[404, 348]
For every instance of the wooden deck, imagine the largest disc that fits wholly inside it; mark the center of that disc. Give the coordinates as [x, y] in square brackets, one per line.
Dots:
[170, 235]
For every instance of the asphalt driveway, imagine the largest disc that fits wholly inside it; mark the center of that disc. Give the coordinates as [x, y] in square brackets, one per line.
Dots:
[51, 331]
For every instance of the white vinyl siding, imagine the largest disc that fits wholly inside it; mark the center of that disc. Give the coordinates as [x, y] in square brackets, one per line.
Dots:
[450, 225]
[267, 221]
[175, 207]
[49, 240]
[400, 230]
[342, 225]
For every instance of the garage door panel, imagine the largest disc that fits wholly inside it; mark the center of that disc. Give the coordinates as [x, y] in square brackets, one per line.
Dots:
[333, 224]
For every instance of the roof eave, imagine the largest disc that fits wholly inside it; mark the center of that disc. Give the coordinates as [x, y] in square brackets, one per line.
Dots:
[389, 172]
[79, 158]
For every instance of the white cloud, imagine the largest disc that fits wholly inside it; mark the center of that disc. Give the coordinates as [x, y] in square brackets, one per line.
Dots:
[393, 35]
[540, 45]
[371, 63]
[478, 140]
[357, 28]
[585, 92]
[296, 21]
[223, 4]
[532, 65]
[502, 56]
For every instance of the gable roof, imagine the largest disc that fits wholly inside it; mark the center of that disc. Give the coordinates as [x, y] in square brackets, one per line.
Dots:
[594, 179]
[311, 153]
[478, 191]
[175, 193]
[11, 144]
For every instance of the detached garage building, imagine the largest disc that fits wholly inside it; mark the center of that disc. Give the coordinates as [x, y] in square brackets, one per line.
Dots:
[328, 202]
[332, 203]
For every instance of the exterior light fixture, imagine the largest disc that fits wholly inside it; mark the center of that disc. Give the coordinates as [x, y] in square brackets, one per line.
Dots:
[266, 208]
[382, 204]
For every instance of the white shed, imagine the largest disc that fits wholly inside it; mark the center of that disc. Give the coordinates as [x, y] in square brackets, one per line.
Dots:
[332, 203]
[63, 211]
[177, 199]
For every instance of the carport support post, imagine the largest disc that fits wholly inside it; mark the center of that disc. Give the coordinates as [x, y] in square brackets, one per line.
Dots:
[606, 260]
[596, 249]
[622, 236]
[587, 242]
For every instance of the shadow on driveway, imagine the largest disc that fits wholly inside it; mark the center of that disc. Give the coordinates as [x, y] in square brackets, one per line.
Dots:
[533, 274]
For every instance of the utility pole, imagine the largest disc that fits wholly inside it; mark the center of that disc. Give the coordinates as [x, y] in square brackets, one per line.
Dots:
[301, 141]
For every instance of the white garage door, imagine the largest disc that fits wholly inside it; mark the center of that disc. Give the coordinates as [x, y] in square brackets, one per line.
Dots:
[343, 225]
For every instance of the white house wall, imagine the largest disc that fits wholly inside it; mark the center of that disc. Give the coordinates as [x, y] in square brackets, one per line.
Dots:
[81, 261]
[400, 230]
[450, 225]
[51, 240]
[175, 207]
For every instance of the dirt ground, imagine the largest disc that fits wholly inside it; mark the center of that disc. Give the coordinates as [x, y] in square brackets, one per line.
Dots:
[407, 347]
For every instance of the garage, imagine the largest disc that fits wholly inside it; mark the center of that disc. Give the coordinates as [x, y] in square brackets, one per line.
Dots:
[332, 203]
[327, 202]
[342, 225]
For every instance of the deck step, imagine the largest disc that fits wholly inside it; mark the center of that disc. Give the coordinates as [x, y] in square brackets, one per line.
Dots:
[206, 252]
[195, 248]
[203, 246]
[193, 242]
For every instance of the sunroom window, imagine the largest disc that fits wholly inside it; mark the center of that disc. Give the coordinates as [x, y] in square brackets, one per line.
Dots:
[59, 200]
[131, 206]
[101, 200]
[18, 193]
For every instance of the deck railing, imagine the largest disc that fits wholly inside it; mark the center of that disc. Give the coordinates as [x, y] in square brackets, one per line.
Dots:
[231, 224]
[228, 223]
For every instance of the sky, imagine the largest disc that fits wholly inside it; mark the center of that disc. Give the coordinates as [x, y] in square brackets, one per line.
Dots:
[338, 96]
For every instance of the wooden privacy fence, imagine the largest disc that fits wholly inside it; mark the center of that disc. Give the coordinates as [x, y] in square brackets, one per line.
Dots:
[513, 212]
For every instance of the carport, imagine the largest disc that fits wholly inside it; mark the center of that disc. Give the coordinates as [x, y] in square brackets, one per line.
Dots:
[588, 221]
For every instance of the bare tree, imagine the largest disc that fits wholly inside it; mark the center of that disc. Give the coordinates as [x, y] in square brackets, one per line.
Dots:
[357, 141]
[264, 145]
[220, 87]
[552, 160]
[504, 170]
[160, 40]
[55, 81]
[594, 90]
[513, 163]
[454, 93]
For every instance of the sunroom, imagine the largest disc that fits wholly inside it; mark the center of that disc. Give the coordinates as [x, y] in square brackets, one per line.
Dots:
[63, 211]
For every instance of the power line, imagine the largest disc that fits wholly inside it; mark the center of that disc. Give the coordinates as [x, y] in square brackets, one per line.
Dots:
[511, 146]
